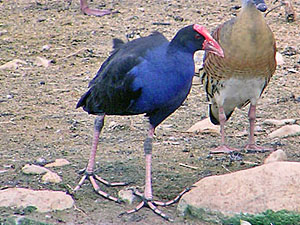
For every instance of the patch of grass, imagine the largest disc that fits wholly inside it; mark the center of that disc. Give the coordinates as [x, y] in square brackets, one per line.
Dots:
[15, 220]
[268, 217]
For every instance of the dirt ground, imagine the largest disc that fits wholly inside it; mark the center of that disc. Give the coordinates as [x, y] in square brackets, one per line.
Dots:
[38, 119]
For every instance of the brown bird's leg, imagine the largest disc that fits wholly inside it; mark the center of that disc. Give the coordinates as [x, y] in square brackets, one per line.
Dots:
[223, 148]
[251, 145]
[92, 12]
[147, 197]
[89, 171]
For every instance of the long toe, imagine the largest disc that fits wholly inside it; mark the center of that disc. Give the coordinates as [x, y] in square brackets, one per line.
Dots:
[93, 180]
[153, 204]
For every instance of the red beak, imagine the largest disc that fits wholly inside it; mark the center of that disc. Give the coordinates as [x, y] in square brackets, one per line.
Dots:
[213, 47]
[210, 44]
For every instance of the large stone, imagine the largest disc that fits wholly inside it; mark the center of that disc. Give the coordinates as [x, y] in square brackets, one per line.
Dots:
[44, 200]
[272, 186]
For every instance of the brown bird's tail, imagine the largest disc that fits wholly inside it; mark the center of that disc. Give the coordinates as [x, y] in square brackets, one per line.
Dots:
[214, 114]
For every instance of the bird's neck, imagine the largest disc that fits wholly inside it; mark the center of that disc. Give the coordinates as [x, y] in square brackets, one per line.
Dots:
[246, 2]
[177, 45]
[250, 24]
[249, 10]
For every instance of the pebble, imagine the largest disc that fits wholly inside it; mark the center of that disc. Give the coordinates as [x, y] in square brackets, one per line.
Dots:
[204, 126]
[57, 163]
[34, 169]
[42, 62]
[285, 131]
[279, 122]
[126, 195]
[51, 177]
[46, 47]
[276, 156]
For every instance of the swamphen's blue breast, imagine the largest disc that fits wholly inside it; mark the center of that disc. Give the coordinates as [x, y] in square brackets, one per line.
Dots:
[165, 80]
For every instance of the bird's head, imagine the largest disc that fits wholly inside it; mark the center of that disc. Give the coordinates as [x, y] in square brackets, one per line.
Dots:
[209, 44]
[259, 4]
[193, 38]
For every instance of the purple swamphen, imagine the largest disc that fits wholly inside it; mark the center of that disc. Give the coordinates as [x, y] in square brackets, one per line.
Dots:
[151, 76]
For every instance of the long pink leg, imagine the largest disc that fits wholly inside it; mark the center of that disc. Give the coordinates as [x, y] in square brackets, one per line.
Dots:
[148, 196]
[89, 171]
[251, 145]
[223, 148]
[92, 12]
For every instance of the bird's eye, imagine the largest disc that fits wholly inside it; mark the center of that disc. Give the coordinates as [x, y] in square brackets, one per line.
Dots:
[197, 36]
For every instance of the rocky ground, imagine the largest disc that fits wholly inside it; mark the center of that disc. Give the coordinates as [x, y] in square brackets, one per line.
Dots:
[39, 122]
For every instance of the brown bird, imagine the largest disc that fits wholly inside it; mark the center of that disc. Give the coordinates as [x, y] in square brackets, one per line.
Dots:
[242, 75]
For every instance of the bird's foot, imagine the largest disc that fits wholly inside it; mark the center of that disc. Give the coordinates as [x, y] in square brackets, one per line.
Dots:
[256, 148]
[153, 204]
[93, 178]
[224, 149]
[95, 12]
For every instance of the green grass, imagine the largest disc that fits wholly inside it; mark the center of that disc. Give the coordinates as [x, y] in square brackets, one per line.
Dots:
[268, 217]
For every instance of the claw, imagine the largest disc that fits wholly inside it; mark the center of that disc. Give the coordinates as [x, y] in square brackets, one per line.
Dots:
[153, 204]
[93, 178]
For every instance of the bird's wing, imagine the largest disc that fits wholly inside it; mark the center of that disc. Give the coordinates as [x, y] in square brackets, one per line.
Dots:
[123, 52]
[110, 91]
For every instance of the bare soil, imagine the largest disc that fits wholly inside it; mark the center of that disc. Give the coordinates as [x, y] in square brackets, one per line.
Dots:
[38, 119]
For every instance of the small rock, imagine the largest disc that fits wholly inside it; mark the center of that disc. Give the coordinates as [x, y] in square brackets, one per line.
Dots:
[166, 126]
[43, 200]
[126, 195]
[243, 222]
[290, 51]
[204, 126]
[58, 162]
[196, 80]
[2, 32]
[285, 131]
[51, 177]
[34, 169]
[198, 58]
[172, 139]
[245, 132]
[41, 19]
[279, 122]
[276, 156]
[279, 59]
[42, 62]
[46, 47]
[14, 64]
[292, 71]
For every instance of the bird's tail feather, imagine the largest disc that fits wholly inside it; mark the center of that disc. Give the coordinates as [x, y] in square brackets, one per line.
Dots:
[214, 114]
[82, 100]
